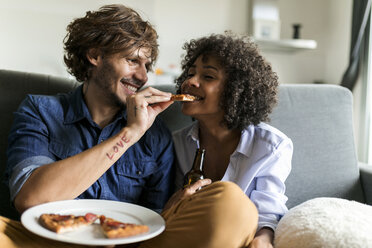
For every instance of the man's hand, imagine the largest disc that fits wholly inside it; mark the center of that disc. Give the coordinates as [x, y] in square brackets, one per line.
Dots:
[182, 193]
[143, 107]
[263, 239]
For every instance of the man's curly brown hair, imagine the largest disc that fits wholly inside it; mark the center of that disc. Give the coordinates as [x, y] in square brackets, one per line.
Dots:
[112, 29]
[250, 91]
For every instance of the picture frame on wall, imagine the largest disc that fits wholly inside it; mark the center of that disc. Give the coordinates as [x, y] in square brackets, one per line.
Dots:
[266, 29]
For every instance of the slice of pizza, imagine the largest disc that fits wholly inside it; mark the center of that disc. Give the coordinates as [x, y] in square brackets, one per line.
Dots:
[183, 98]
[65, 223]
[115, 229]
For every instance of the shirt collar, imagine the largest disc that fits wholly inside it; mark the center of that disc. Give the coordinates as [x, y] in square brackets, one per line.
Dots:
[76, 107]
[78, 110]
[245, 143]
[193, 133]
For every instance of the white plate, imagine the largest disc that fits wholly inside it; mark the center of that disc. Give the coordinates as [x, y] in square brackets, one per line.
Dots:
[92, 234]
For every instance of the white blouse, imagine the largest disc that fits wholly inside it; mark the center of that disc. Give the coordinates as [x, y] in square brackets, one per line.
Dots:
[259, 165]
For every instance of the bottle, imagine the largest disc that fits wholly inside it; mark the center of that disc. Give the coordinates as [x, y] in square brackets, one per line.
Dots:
[196, 172]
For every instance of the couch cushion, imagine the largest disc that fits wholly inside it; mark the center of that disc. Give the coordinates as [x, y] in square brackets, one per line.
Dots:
[318, 119]
[326, 222]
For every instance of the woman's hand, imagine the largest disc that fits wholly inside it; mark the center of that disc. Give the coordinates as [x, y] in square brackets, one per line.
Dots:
[263, 239]
[182, 193]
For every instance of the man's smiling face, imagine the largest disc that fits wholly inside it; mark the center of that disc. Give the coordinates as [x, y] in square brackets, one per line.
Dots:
[119, 76]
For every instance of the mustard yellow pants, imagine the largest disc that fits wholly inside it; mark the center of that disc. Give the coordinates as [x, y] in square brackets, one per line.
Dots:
[219, 215]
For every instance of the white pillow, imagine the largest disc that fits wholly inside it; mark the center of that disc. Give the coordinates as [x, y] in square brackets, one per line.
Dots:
[326, 222]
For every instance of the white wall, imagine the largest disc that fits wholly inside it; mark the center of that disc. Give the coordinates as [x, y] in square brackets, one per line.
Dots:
[327, 22]
[33, 30]
[338, 40]
[178, 21]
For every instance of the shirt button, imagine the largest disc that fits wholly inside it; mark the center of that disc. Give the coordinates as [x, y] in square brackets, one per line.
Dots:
[101, 140]
[139, 172]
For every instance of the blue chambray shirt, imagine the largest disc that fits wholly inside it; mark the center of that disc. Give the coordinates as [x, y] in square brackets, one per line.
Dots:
[52, 128]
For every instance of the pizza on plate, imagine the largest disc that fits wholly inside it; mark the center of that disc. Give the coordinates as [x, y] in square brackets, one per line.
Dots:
[111, 228]
[116, 229]
[64, 223]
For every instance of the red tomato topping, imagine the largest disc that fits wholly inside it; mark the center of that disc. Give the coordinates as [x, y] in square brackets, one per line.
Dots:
[90, 217]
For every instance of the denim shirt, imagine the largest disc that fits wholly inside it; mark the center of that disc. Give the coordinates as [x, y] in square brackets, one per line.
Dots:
[51, 128]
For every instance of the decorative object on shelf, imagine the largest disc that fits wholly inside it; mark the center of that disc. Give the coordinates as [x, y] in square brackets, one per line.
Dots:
[265, 19]
[296, 31]
[264, 28]
[285, 45]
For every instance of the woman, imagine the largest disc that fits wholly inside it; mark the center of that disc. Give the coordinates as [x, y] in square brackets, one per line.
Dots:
[236, 91]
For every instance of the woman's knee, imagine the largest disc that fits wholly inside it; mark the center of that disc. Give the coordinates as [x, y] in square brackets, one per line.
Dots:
[231, 202]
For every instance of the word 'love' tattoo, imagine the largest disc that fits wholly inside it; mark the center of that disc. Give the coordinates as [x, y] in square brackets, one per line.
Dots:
[116, 148]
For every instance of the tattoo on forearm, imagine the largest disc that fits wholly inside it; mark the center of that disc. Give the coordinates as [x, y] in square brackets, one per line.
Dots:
[119, 145]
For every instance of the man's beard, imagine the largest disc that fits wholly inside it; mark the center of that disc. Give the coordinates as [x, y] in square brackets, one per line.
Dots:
[113, 98]
[105, 81]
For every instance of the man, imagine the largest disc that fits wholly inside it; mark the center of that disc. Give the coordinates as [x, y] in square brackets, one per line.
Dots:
[101, 141]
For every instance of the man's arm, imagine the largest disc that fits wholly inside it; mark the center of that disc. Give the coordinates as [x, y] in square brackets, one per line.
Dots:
[68, 178]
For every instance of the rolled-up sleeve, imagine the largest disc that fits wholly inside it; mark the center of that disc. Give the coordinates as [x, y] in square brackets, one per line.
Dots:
[268, 196]
[22, 171]
[27, 146]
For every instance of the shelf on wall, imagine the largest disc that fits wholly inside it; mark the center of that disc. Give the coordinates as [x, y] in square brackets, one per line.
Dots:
[289, 45]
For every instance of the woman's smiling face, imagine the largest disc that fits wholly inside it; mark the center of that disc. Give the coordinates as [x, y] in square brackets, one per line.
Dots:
[206, 80]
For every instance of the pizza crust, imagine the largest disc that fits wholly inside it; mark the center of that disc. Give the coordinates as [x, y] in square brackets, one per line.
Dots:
[183, 97]
[64, 223]
[114, 229]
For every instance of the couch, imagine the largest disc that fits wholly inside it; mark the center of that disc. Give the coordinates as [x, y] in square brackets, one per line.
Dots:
[318, 119]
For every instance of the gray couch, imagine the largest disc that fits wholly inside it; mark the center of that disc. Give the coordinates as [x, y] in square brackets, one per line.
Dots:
[318, 118]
